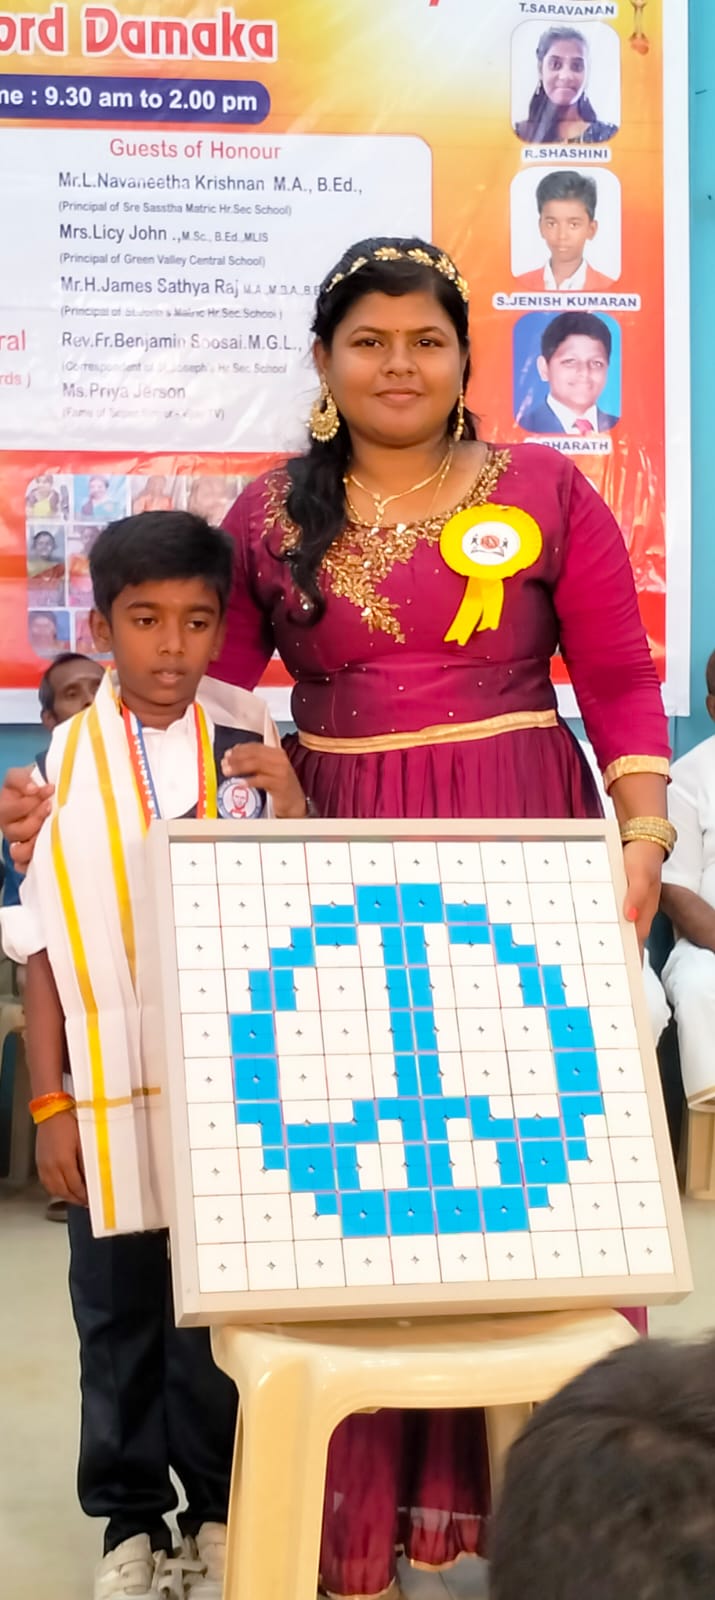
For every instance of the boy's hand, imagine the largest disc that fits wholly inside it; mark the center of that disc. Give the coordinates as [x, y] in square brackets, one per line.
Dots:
[58, 1156]
[23, 808]
[264, 767]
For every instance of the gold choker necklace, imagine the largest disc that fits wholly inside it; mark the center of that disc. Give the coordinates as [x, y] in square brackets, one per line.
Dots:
[381, 502]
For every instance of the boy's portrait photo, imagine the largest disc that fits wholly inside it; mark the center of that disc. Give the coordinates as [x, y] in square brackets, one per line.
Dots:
[565, 229]
[565, 84]
[567, 373]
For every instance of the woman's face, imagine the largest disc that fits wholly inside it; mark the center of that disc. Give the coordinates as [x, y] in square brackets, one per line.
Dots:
[563, 71]
[394, 367]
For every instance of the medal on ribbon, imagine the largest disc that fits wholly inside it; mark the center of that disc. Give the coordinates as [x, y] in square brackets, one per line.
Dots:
[485, 545]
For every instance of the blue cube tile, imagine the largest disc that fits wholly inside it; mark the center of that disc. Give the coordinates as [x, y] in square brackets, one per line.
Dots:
[464, 911]
[531, 986]
[410, 1211]
[401, 1028]
[407, 1080]
[393, 948]
[311, 1169]
[457, 1211]
[338, 915]
[430, 1077]
[253, 1034]
[307, 1133]
[508, 953]
[406, 1112]
[275, 1160]
[299, 953]
[268, 1118]
[337, 937]
[577, 1071]
[484, 1124]
[539, 1127]
[364, 1215]
[538, 1198]
[440, 1161]
[544, 1162]
[362, 1129]
[421, 988]
[504, 1211]
[256, 1078]
[397, 989]
[347, 1167]
[508, 1159]
[468, 934]
[553, 982]
[378, 904]
[259, 984]
[415, 947]
[416, 1166]
[425, 1034]
[326, 1205]
[577, 1149]
[440, 1111]
[421, 902]
[571, 1028]
[574, 1107]
[284, 989]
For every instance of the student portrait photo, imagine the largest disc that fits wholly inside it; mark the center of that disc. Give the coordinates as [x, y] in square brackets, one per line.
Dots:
[49, 495]
[567, 373]
[565, 229]
[46, 564]
[211, 496]
[48, 631]
[100, 498]
[566, 84]
[158, 492]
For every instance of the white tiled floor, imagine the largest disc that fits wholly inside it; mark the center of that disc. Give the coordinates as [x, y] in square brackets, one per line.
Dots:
[48, 1547]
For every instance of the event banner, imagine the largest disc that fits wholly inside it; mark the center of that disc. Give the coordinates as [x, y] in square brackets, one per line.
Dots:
[176, 180]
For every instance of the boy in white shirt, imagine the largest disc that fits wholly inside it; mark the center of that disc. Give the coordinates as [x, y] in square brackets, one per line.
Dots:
[156, 742]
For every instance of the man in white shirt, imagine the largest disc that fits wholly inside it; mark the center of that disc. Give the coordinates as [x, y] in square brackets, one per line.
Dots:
[688, 898]
[574, 361]
[566, 203]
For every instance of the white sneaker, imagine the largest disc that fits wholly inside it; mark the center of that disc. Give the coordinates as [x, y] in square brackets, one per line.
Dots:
[168, 1578]
[204, 1562]
[127, 1573]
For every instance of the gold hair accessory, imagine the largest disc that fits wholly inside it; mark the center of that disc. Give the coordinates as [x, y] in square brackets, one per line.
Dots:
[459, 424]
[652, 830]
[390, 252]
[324, 415]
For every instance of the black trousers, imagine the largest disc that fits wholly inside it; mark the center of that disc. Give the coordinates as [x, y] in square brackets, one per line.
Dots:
[152, 1396]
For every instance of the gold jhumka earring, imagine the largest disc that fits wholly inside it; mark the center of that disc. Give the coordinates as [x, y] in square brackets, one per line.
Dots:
[324, 416]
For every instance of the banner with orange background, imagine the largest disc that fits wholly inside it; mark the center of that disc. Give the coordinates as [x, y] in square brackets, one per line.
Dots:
[173, 187]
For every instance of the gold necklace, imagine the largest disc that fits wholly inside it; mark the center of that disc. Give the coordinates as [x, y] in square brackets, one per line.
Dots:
[381, 502]
[374, 527]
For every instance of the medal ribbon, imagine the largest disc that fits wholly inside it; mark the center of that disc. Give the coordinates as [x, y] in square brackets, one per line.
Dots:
[141, 770]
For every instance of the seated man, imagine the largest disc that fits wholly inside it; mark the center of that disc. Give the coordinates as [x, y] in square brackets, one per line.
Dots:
[608, 1491]
[688, 898]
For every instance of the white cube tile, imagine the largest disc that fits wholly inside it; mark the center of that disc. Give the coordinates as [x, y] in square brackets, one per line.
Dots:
[461, 1155]
[302, 1078]
[215, 1171]
[198, 947]
[384, 1075]
[283, 863]
[222, 1268]
[415, 1258]
[196, 906]
[202, 991]
[546, 862]
[372, 863]
[481, 1030]
[508, 902]
[209, 1079]
[620, 1071]
[441, 981]
[485, 1072]
[271, 1266]
[339, 955]
[510, 1257]
[462, 1258]
[245, 947]
[465, 892]
[416, 863]
[598, 1168]
[627, 1114]
[369, 1167]
[219, 1219]
[475, 987]
[634, 1160]
[601, 944]
[614, 1027]
[239, 999]
[305, 984]
[321, 1265]
[486, 1164]
[267, 1217]
[192, 863]
[603, 1253]
[574, 981]
[346, 1032]
[341, 989]
[452, 1077]
[460, 860]
[206, 1035]
[370, 945]
[502, 863]
[596, 1206]
[349, 1077]
[212, 1126]
[588, 861]
[375, 1027]
[448, 1028]
[551, 903]
[536, 1106]
[557, 943]
[641, 1205]
[558, 1216]
[531, 1072]
[307, 1222]
[328, 863]
[556, 1255]
[288, 904]
[594, 902]
[440, 953]
[527, 1029]
[608, 985]
[238, 861]
[242, 905]
[304, 1112]
[393, 1165]
[648, 1250]
[257, 1178]
[299, 1033]
[511, 989]
[368, 1263]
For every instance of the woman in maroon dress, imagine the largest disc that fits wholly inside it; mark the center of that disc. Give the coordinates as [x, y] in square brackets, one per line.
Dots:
[417, 583]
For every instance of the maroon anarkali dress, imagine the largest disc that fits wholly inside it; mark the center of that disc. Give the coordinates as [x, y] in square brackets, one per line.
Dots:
[394, 722]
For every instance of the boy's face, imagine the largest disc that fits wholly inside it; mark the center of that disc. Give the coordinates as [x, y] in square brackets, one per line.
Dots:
[162, 636]
[566, 227]
[577, 372]
[74, 686]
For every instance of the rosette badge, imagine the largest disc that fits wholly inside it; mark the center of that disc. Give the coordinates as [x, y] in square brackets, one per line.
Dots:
[486, 545]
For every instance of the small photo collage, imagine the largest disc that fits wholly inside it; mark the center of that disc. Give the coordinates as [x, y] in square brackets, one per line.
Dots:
[64, 514]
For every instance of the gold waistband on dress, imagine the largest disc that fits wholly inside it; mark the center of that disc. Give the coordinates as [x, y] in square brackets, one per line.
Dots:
[441, 733]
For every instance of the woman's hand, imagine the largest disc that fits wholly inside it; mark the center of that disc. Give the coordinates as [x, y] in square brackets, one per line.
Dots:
[643, 862]
[264, 766]
[23, 808]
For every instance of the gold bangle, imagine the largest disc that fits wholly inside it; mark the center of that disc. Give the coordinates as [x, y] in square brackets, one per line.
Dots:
[653, 830]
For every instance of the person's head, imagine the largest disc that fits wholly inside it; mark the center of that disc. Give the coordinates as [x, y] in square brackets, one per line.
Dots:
[710, 681]
[88, 535]
[391, 327]
[562, 65]
[608, 1492]
[566, 203]
[68, 686]
[161, 583]
[98, 487]
[575, 353]
[44, 545]
[42, 629]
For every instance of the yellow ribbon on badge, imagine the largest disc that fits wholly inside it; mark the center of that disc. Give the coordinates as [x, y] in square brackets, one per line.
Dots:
[485, 545]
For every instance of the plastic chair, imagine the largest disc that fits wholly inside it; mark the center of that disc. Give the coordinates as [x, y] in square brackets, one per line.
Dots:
[296, 1383]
